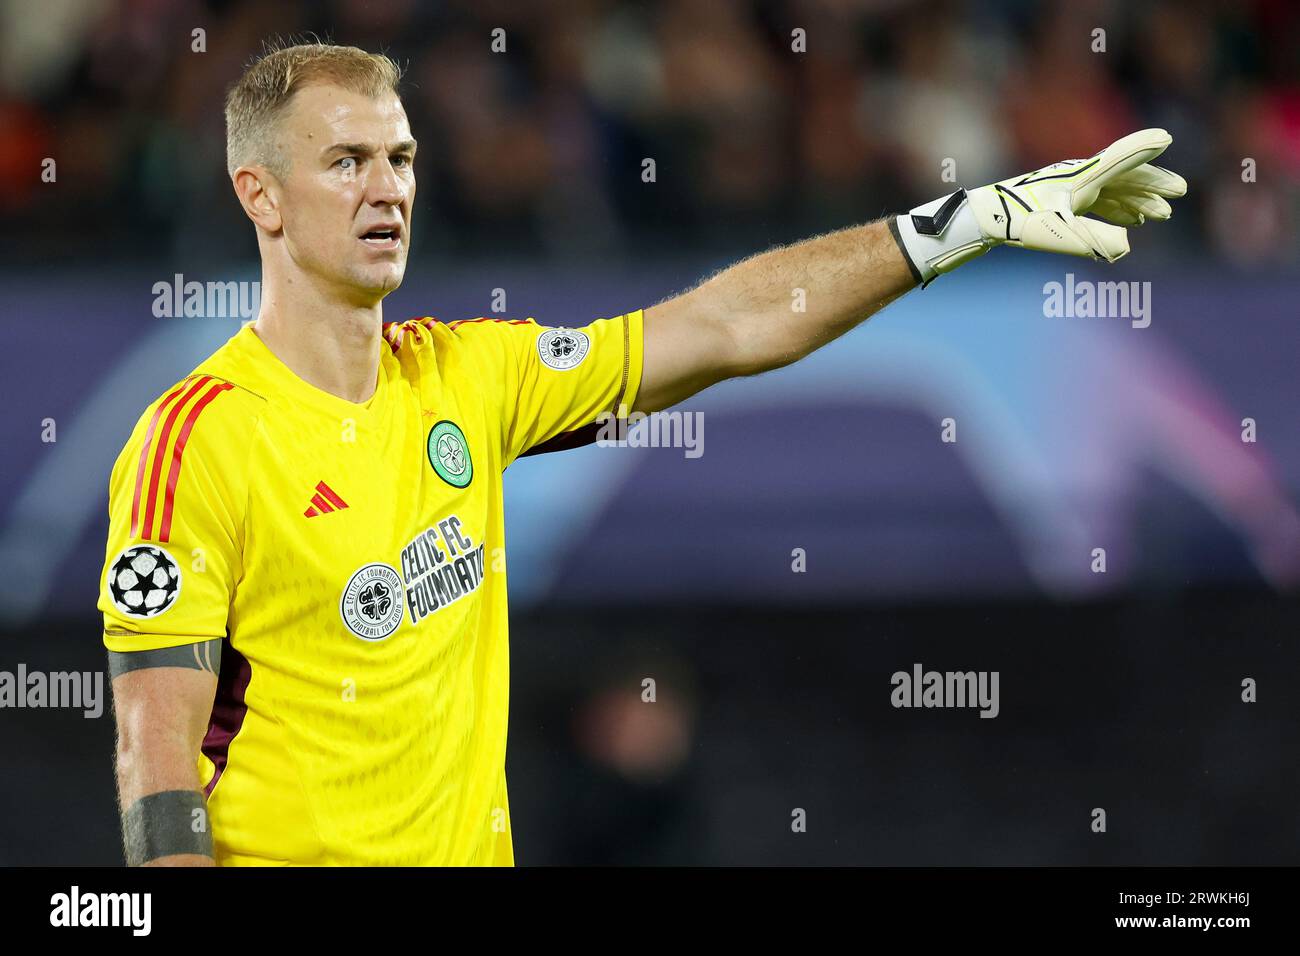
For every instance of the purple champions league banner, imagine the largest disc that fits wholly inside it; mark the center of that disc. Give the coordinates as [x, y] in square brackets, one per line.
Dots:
[1057, 430]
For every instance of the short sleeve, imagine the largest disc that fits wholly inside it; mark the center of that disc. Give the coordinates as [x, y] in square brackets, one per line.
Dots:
[558, 384]
[176, 500]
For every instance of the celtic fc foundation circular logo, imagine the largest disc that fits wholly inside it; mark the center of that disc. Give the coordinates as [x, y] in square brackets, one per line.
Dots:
[449, 454]
[562, 349]
[371, 604]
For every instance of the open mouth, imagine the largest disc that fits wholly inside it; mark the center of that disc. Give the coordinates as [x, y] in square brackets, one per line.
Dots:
[383, 237]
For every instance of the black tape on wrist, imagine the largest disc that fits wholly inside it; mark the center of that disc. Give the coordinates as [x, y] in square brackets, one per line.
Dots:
[166, 824]
[907, 257]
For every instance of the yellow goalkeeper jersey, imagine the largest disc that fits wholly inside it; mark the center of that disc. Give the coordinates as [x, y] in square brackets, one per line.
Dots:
[351, 559]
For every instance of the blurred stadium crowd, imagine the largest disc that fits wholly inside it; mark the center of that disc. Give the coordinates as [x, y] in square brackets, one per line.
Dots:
[539, 150]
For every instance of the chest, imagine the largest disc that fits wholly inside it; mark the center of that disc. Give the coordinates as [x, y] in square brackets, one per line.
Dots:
[384, 519]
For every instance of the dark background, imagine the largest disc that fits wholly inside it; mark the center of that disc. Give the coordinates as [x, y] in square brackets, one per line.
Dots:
[1119, 691]
[1131, 706]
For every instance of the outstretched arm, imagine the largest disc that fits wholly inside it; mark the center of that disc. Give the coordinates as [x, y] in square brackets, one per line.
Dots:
[768, 311]
[774, 308]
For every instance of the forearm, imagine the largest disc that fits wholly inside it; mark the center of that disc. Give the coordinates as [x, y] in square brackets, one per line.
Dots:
[783, 304]
[160, 697]
[771, 309]
[162, 805]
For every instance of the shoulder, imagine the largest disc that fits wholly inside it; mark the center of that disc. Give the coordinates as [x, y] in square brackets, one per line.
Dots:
[202, 424]
[198, 407]
[418, 333]
[471, 352]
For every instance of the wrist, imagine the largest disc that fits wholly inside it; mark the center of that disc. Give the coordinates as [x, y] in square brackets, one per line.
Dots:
[940, 235]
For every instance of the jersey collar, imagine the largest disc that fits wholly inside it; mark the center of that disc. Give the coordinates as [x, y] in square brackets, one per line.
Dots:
[286, 382]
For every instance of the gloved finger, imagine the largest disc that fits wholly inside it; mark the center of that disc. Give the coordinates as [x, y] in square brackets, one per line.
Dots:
[1116, 212]
[1152, 179]
[1108, 242]
[1148, 205]
[1128, 153]
[1085, 182]
[1152, 207]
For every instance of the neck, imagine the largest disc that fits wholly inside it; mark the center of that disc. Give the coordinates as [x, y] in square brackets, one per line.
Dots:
[331, 344]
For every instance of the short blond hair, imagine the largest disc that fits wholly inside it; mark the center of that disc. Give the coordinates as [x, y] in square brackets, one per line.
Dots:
[257, 101]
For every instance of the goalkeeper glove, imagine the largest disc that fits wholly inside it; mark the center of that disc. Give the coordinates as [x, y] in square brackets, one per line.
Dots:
[1044, 209]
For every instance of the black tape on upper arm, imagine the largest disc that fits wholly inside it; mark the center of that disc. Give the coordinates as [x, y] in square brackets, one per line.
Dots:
[203, 656]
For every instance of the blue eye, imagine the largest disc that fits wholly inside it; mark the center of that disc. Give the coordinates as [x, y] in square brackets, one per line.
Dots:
[347, 159]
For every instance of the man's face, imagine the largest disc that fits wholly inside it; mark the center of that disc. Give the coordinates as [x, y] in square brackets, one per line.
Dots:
[347, 196]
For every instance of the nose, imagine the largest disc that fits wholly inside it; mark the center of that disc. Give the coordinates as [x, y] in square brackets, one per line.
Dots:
[384, 187]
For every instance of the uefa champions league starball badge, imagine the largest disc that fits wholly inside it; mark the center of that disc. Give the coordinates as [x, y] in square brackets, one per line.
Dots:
[143, 580]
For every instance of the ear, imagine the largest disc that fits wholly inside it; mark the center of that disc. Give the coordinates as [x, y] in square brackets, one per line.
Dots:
[259, 193]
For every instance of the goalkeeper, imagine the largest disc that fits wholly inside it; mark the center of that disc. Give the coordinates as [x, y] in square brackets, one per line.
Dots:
[304, 591]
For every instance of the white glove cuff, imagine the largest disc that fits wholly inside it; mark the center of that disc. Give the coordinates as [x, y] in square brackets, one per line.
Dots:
[939, 236]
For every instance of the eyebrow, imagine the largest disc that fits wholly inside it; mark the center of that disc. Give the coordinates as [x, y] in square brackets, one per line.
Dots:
[364, 149]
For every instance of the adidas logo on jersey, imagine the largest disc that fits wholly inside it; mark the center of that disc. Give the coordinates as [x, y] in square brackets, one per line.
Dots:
[324, 501]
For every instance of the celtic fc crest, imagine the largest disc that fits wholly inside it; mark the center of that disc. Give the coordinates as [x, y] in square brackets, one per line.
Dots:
[449, 454]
